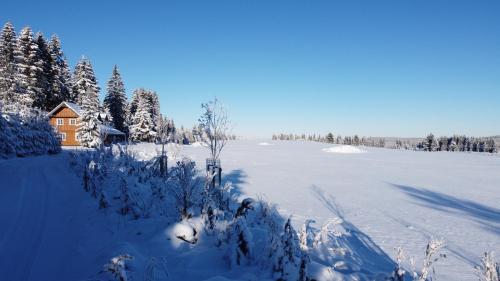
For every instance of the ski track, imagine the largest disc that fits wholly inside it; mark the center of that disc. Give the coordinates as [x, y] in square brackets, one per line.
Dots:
[27, 194]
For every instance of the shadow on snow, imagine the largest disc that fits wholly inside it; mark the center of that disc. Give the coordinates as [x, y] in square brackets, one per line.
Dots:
[365, 258]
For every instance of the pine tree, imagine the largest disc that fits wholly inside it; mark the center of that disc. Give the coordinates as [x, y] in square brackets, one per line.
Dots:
[29, 66]
[135, 101]
[44, 75]
[116, 100]
[88, 132]
[154, 104]
[330, 138]
[88, 95]
[9, 87]
[142, 127]
[60, 88]
[430, 143]
[84, 81]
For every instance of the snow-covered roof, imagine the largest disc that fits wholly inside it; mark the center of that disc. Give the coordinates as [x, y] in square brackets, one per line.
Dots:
[110, 130]
[75, 107]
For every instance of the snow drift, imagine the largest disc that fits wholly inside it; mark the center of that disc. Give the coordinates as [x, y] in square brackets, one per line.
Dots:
[346, 149]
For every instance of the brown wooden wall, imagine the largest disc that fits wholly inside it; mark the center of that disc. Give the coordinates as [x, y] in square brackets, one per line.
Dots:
[66, 114]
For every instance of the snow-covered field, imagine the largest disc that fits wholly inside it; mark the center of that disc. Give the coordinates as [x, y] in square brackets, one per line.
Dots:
[52, 230]
[394, 197]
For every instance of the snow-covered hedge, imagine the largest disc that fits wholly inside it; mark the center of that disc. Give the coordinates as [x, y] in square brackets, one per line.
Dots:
[27, 135]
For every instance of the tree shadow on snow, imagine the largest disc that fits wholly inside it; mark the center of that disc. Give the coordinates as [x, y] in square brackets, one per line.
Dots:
[237, 178]
[366, 260]
[487, 217]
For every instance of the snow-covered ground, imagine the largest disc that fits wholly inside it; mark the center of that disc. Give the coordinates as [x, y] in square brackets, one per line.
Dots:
[52, 230]
[392, 197]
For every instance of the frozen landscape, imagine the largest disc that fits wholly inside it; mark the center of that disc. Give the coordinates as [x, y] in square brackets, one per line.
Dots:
[250, 141]
[386, 199]
[391, 197]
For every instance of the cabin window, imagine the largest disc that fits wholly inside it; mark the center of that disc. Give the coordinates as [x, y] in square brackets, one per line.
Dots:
[60, 121]
[72, 121]
[63, 136]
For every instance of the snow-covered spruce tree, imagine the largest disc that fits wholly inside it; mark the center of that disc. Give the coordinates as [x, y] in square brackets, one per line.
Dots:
[132, 107]
[88, 132]
[286, 263]
[84, 81]
[154, 105]
[116, 100]
[142, 126]
[28, 67]
[60, 88]
[430, 143]
[44, 75]
[9, 85]
[330, 138]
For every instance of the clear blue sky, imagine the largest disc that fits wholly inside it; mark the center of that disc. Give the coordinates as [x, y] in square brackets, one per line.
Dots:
[379, 68]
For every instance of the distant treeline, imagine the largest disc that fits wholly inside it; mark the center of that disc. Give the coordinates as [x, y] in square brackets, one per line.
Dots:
[460, 143]
[330, 138]
[457, 143]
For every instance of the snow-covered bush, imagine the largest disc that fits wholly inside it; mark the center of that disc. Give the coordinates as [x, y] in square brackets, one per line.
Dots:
[187, 188]
[117, 267]
[240, 242]
[432, 255]
[130, 187]
[489, 270]
[399, 273]
[286, 262]
[27, 135]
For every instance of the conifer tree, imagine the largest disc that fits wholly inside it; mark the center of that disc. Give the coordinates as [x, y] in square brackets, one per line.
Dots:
[88, 132]
[44, 75]
[9, 87]
[88, 96]
[84, 81]
[28, 67]
[116, 100]
[60, 88]
[142, 127]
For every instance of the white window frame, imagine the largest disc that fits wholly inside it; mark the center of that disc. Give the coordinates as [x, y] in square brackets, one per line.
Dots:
[59, 121]
[63, 136]
[72, 121]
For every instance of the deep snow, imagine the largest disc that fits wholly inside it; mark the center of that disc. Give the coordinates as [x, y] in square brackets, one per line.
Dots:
[392, 197]
[52, 230]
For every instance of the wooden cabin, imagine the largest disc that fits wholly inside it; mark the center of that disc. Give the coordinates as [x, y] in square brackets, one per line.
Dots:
[64, 118]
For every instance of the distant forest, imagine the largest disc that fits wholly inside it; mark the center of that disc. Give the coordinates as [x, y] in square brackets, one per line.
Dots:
[458, 143]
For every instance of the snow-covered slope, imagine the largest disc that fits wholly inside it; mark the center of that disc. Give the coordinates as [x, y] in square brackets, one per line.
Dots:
[392, 197]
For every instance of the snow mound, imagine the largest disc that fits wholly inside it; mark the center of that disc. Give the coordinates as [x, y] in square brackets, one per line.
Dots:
[198, 144]
[265, 143]
[346, 149]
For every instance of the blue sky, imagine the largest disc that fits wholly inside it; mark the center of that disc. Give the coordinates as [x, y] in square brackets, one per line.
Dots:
[375, 68]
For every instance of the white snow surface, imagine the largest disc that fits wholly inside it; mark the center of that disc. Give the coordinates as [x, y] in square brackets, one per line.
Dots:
[389, 197]
[52, 230]
[346, 149]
